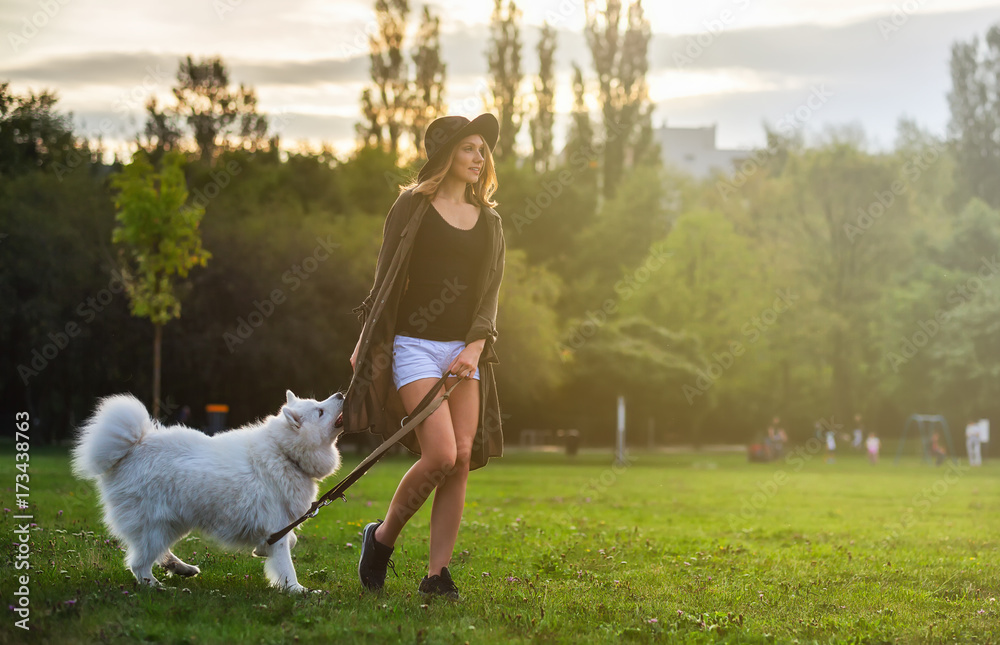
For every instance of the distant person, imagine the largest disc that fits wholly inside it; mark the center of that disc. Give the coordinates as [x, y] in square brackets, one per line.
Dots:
[859, 433]
[782, 437]
[775, 439]
[937, 450]
[873, 444]
[831, 446]
[973, 443]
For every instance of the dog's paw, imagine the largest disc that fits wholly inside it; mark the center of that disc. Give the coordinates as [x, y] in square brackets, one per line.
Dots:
[186, 570]
[296, 588]
[182, 569]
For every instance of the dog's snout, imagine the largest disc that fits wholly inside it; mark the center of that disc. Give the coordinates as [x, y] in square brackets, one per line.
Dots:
[339, 396]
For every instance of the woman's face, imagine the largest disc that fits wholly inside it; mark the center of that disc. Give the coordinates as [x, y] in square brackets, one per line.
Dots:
[467, 163]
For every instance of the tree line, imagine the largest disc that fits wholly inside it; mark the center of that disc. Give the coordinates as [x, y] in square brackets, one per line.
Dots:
[811, 282]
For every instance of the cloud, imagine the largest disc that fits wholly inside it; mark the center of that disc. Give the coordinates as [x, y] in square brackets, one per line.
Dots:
[876, 75]
[106, 68]
[853, 51]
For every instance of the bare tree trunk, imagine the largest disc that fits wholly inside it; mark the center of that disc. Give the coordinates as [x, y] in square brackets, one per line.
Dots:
[157, 341]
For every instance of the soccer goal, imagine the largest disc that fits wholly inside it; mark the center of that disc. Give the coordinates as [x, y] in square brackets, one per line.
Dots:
[926, 425]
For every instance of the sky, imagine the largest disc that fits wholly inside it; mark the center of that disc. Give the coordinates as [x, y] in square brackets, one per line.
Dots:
[737, 64]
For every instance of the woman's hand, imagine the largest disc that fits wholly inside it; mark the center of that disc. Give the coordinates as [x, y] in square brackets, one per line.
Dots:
[464, 365]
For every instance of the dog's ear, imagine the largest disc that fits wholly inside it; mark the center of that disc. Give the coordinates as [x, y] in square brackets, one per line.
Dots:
[290, 398]
[294, 418]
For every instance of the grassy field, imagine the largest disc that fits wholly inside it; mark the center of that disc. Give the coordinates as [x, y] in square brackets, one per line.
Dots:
[690, 548]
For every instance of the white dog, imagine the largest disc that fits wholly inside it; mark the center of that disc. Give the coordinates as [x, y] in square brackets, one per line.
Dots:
[158, 483]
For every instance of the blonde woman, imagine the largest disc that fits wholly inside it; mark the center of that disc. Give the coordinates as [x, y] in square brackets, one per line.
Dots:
[432, 309]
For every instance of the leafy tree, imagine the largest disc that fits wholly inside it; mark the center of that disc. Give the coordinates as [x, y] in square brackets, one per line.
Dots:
[964, 356]
[843, 212]
[504, 56]
[34, 136]
[159, 241]
[217, 116]
[541, 122]
[163, 130]
[528, 331]
[55, 228]
[974, 101]
[385, 104]
[581, 154]
[620, 59]
[429, 77]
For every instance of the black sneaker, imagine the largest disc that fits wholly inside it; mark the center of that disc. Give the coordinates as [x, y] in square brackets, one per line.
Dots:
[375, 558]
[439, 585]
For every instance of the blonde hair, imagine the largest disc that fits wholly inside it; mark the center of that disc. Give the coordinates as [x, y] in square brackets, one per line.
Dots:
[480, 193]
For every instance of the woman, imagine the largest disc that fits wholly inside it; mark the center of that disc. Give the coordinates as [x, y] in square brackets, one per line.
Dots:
[432, 309]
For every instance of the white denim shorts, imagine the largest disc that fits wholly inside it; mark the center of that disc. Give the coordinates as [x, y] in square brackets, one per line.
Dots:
[417, 358]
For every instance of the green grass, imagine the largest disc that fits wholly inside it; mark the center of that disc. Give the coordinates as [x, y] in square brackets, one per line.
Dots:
[669, 549]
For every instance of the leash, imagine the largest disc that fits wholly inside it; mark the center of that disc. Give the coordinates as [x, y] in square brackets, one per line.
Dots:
[424, 409]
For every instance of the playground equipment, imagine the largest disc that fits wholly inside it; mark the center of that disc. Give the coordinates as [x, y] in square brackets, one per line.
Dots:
[925, 424]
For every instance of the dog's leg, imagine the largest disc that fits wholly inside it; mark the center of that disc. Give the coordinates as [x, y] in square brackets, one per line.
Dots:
[175, 565]
[263, 549]
[142, 567]
[279, 568]
[145, 550]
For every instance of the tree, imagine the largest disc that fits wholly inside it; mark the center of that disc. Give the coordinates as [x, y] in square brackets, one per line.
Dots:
[545, 86]
[579, 150]
[159, 241]
[974, 101]
[163, 130]
[837, 229]
[621, 62]
[504, 55]
[386, 103]
[33, 136]
[218, 116]
[429, 76]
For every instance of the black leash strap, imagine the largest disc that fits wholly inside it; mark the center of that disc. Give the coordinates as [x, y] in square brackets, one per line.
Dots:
[424, 409]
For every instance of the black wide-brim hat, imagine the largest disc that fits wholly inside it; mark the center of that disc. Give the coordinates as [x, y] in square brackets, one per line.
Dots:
[444, 132]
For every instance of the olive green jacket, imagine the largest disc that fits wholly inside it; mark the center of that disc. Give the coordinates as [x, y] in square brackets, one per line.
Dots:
[372, 402]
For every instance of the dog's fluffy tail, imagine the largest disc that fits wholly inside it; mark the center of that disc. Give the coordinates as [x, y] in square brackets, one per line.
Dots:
[119, 423]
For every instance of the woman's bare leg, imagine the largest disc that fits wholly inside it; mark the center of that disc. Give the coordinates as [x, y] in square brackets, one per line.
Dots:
[449, 498]
[437, 459]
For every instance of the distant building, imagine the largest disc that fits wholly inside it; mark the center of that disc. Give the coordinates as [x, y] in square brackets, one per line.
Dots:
[693, 151]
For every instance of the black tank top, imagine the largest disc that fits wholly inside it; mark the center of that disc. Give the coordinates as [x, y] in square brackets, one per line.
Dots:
[439, 299]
